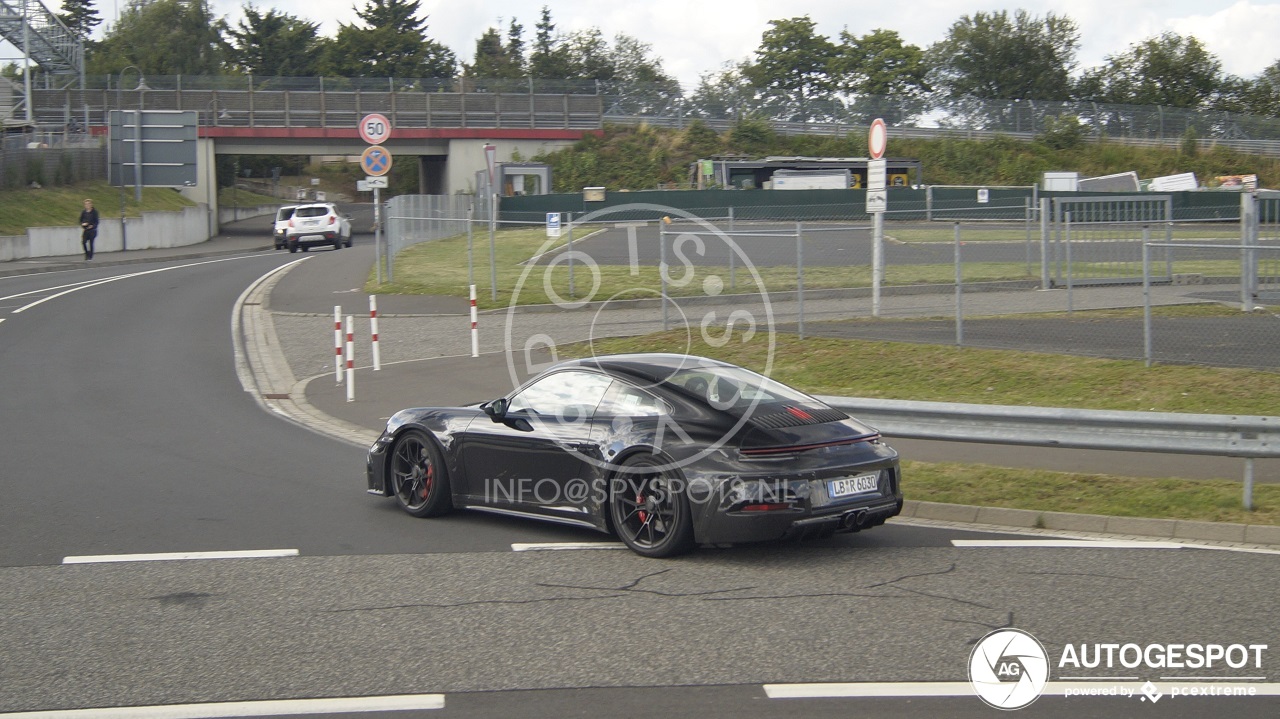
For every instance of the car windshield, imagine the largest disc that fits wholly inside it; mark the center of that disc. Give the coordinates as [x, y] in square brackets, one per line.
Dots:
[284, 213]
[735, 388]
[312, 211]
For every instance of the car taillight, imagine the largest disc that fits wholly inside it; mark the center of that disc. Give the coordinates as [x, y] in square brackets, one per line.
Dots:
[332, 219]
[291, 222]
[771, 507]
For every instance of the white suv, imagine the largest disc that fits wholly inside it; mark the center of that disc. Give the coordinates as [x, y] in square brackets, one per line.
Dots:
[282, 224]
[317, 224]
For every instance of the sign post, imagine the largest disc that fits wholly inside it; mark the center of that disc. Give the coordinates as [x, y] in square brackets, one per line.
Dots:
[877, 203]
[490, 159]
[376, 161]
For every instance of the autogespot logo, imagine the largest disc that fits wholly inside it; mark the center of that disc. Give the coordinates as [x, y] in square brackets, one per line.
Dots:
[1008, 669]
[620, 259]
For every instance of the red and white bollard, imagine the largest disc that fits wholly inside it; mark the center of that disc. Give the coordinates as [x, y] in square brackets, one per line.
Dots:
[475, 333]
[373, 328]
[351, 361]
[337, 343]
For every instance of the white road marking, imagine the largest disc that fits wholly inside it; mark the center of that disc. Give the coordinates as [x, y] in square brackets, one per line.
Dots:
[551, 546]
[94, 283]
[281, 707]
[1067, 543]
[959, 689]
[177, 556]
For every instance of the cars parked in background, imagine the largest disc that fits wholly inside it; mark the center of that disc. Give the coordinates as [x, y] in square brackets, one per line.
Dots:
[664, 450]
[282, 225]
[317, 224]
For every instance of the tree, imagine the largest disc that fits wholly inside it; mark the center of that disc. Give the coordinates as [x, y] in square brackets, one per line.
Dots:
[548, 59]
[162, 37]
[724, 94]
[638, 81]
[1169, 70]
[275, 44]
[392, 43]
[80, 17]
[886, 75]
[991, 57]
[792, 69]
[492, 58]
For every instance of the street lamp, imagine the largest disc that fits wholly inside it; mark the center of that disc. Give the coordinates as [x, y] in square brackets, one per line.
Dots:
[141, 89]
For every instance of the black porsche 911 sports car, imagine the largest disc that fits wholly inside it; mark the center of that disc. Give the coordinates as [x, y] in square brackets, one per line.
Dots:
[666, 451]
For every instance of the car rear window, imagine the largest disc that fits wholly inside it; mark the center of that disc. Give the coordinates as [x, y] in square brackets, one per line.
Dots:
[312, 211]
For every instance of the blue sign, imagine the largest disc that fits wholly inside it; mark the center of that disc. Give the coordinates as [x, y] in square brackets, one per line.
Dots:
[376, 161]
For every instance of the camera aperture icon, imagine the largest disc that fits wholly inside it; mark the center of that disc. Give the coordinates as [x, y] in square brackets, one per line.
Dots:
[1008, 669]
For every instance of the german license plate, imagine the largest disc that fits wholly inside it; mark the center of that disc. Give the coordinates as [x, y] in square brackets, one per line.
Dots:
[846, 486]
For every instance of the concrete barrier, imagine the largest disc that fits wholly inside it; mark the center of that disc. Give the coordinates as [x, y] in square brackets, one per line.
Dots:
[188, 226]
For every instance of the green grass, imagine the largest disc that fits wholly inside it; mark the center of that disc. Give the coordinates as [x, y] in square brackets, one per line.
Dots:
[1047, 491]
[899, 370]
[440, 268]
[956, 374]
[60, 206]
[975, 232]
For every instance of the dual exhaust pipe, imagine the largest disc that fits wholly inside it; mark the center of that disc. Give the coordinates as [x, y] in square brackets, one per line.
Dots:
[854, 520]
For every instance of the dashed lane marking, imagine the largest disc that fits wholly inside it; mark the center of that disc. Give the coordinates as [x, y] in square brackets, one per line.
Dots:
[177, 556]
[279, 707]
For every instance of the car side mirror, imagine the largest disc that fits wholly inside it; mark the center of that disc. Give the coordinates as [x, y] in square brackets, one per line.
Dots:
[497, 409]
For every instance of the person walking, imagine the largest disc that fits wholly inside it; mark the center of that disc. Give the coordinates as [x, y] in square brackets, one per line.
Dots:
[89, 224]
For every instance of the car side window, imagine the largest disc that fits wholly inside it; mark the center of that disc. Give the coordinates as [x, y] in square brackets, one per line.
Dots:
[623, 400]
[570, 396]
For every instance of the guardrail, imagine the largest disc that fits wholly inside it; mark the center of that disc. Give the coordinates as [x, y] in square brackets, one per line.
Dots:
[1175, 433]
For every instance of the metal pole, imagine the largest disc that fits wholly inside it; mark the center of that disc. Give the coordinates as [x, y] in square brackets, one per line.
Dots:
[373, 331]
[1248, 483]
[378, 249]
[493, 230]
[1067, 225]
[337, 344]
[959, 293]
[877, 261]
[800, 278]
[137, 155]
[1248, 257]
[662, 272]
[569, 226]
[1027, 218]
[1044, 243]
[471, 273]
[1146, 295]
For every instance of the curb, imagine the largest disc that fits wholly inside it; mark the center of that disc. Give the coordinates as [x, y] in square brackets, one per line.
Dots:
[1264, 534]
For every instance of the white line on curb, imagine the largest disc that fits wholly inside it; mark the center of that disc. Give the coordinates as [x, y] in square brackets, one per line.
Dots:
[281, 707]
[958, 689]
[551, 546]
[177, 556]
[1067, 543]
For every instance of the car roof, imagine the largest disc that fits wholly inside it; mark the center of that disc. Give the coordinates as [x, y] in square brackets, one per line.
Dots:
[646, 366]
[326, 205]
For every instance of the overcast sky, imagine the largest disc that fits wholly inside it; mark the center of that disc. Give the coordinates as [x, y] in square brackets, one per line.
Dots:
[693, 38]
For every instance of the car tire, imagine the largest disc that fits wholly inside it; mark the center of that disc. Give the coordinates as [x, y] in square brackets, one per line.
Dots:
[348, 242]
[293, 245]
[648, 508]
[417, 475]
[337, 244]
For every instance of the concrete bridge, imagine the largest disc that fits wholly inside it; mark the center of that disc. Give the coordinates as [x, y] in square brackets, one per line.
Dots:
[442, 133]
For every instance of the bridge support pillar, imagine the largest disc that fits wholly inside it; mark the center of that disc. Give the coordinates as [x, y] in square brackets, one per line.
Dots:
[206, 188]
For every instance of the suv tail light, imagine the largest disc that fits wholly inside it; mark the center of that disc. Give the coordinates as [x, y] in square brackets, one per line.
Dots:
[332, 219]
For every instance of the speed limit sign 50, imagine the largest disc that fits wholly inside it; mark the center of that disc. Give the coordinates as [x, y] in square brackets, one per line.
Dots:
[374, 128]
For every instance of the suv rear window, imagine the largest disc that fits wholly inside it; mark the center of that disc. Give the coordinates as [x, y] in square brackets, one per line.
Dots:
[312, 211]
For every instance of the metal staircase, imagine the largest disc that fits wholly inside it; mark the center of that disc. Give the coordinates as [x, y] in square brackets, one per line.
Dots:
[41, 36]
[29, 26]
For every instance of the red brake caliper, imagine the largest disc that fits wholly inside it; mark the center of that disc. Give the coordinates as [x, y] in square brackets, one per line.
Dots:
[426, 481]
[644, 516]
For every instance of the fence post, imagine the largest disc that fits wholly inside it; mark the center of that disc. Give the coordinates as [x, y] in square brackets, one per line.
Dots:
[928, 203]
[1066, 223]
[493, 230]
[800, 278]
[1146, 294]
[662, 270]
[1044, 243]
[569, 227]
[959, 292]
[351, 360]
[337, 343]
[373, 331]
[475, 332]
[1249, 256]
[1248, 483]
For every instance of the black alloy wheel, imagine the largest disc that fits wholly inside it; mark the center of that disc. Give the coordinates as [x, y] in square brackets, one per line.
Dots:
[418, 477]
[649, 509]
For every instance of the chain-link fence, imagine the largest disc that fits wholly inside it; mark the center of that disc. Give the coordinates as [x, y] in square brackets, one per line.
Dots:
[1125, 281]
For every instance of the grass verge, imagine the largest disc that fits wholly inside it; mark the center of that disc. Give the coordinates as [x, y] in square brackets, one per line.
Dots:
[60, 206]
[956, 374]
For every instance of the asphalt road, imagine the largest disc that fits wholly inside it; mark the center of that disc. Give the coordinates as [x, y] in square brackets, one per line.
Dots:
[126, 431]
